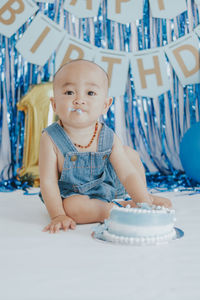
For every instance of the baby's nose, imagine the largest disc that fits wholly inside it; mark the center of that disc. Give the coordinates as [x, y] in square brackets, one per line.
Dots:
[79, 101]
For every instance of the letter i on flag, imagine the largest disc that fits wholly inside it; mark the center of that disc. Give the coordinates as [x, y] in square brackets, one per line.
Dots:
[40, 40]
[14, 13]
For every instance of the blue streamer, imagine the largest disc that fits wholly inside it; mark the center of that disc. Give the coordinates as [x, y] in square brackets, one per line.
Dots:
[17, 75]
[178, 181]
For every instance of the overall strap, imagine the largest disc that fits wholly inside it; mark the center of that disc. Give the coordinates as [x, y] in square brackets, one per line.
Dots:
[60, 138]
[105, 138]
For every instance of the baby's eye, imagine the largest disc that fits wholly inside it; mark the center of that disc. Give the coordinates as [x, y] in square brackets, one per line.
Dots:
[69, 93]
[91, 93]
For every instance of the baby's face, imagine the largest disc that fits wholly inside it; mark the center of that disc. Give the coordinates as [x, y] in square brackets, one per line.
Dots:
[80, 93]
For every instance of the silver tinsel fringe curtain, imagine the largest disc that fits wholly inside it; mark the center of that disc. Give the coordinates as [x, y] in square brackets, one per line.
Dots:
[154, 127]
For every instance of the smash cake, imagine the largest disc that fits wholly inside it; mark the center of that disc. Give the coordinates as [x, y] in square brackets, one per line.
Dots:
[144, 225]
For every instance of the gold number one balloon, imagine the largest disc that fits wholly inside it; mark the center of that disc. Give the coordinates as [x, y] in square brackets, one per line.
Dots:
[38, 115]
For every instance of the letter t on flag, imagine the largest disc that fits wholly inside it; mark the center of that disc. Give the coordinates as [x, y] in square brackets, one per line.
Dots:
[40, 40]
[14, 13]
[115, 63]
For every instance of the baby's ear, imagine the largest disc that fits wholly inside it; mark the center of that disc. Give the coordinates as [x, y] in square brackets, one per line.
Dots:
[107, 104]
[53, 103]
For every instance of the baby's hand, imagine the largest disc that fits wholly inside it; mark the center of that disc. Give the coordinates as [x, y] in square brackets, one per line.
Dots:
[161, 201]
[60, 222]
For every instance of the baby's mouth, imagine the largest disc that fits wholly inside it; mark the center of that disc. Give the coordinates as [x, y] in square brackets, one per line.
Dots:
[78, 110]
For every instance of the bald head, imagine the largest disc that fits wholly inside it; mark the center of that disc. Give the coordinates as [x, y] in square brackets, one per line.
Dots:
[79, 65]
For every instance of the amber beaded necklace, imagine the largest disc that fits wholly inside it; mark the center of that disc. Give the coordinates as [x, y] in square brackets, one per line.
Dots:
[92, 139]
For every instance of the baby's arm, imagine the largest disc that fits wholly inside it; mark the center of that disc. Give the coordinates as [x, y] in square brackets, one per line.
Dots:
[49, 187]
[127, 173]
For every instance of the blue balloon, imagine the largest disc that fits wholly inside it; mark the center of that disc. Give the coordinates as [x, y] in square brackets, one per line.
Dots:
[190, 152]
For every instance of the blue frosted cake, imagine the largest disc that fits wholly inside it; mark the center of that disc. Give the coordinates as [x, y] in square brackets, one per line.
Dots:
[145, 225]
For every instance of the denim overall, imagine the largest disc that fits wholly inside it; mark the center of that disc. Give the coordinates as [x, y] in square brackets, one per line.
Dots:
[87, 173]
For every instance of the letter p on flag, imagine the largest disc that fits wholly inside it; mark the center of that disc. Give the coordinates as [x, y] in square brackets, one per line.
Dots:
[13, 14]
[40, 40]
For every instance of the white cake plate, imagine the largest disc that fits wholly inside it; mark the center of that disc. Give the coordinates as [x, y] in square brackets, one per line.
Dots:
[100, 237]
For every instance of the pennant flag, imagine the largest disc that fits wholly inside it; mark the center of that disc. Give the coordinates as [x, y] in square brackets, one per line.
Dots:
[184, 57]
[125, 11]
[150, 72]
[40, 40]
[167, 8]
[14, 13]
[82, 9]
[116, 64]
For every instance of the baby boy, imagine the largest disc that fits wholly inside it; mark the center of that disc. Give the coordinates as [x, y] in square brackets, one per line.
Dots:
[83, 164]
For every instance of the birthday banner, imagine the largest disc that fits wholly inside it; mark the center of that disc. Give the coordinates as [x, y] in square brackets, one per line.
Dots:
[14, 13]
[124, 11]
[149, 67]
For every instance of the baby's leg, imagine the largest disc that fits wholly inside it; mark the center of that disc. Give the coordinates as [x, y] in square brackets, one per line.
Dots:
[135, 160]
[84, 210]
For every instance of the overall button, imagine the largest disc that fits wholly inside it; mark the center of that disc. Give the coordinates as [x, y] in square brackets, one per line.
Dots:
[105, 156]
[73, 158]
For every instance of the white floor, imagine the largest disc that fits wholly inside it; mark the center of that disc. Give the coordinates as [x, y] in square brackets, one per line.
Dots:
[72, 265]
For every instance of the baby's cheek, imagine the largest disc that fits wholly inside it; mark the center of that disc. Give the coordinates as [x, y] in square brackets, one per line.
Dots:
[64, 107]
